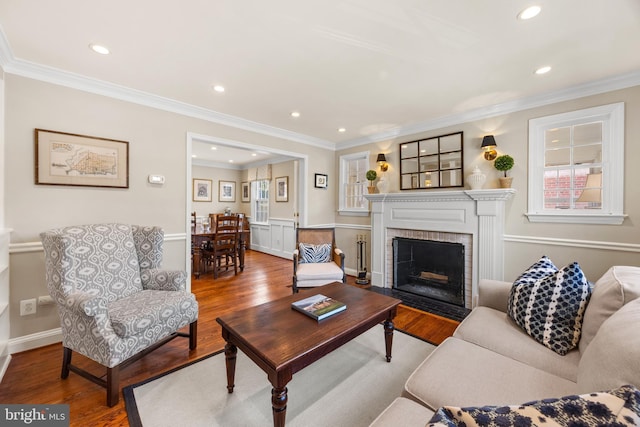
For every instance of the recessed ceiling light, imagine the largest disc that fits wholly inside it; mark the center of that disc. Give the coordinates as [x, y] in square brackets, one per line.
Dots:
[230, 161]
[253, 154]
[218, 88]
[214, 148]
[342, 130]
[543, 70]
[295, 114]
[528, 13]
[99, 49]
[193, 156]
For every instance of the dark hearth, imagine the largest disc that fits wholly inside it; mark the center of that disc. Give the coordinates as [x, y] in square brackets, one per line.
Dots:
[443, 309]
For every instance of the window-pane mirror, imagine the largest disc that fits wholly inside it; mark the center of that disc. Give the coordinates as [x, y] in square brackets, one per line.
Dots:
[432, 162]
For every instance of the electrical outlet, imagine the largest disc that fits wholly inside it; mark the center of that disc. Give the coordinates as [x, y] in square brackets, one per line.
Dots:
[28, 306]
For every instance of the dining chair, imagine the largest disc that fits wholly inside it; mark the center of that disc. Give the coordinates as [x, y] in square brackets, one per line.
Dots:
[223, 252]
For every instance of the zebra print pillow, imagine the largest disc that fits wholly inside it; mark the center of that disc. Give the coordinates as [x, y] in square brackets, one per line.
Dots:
[314, 253]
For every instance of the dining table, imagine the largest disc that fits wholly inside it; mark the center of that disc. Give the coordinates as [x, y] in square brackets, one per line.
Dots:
[200, 237]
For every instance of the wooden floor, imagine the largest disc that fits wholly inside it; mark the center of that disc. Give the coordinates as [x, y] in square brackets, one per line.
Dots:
[34, 376]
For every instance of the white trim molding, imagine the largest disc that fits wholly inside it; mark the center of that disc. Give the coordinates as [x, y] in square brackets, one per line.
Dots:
[574, 243]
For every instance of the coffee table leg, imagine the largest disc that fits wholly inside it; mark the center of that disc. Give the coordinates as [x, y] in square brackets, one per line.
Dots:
[388, 337]
[230, 352]
[279, 400]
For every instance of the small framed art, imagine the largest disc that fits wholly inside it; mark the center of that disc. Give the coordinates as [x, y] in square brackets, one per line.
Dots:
[246, 192]
[202, 190]
[321, 180]
[282, 189]
[227, 191]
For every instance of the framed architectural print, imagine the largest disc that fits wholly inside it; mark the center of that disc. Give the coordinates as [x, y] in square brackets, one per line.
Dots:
[227, 191]
[202, 190]
[246, 192]
[321, 180]
[88, 161]
[282, 189]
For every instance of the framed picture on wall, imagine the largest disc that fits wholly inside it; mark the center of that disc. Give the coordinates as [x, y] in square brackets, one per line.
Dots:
[87, 161]
[202, 190]
[246, 192]
[282, 189]
[227, 191]
[321, 180]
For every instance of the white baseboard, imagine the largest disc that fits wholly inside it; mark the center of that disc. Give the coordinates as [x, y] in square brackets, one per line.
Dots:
[39, 339]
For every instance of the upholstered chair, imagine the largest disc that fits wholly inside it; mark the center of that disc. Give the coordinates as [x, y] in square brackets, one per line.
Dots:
[316, 260]
[115, 302]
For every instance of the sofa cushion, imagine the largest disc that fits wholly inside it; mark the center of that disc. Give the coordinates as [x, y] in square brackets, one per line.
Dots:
[618, 286]
[403, 412]
[619, 407]
[550, 307]
[309, 275]
[310, 253]
[496, 331]
[464, 374]
[613, 357]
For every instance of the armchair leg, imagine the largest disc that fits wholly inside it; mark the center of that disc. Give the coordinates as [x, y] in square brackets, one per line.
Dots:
[113, 379]
[294, 288]
[66, 361]
[193, 335]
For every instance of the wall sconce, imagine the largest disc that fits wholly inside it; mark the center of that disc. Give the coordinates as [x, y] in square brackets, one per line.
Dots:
[489, 146]
[382, 162]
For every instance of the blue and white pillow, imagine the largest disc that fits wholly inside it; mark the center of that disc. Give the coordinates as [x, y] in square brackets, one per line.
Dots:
[310, 253]
[549, 304]
[619, 407]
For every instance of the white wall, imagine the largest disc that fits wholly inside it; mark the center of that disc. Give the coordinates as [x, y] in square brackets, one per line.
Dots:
[157, 145]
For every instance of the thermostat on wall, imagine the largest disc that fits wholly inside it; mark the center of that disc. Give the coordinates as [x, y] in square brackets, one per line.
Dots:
[156, 179]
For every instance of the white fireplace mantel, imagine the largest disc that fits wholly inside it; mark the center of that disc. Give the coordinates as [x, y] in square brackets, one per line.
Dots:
[479, 213]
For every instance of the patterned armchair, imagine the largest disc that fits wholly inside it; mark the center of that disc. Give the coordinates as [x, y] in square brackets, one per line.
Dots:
[114, 301]
[316, 260]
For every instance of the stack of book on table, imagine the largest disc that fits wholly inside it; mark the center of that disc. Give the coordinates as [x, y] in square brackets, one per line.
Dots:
[319, 306]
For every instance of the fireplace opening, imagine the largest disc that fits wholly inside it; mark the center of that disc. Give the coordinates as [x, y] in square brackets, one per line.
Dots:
[429, 269]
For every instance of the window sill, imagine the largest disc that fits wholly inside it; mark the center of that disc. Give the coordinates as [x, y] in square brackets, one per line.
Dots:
[346, 212]
[570, 218]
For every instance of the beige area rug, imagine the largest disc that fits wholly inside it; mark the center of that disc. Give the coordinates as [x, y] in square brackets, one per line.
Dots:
[349, 387]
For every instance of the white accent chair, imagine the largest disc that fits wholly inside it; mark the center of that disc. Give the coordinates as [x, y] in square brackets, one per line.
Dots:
[312, 274]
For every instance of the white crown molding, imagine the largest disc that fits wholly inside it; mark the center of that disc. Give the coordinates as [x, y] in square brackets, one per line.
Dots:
[579, 91]
[12, 65]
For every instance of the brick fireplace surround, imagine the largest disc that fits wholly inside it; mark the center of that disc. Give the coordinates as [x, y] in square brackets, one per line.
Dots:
[474, 218]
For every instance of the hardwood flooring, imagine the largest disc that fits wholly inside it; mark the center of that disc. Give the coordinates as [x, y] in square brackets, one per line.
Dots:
[34, 376]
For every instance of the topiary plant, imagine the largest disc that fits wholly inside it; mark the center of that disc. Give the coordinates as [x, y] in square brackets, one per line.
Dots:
[504, 163]
[371, 175]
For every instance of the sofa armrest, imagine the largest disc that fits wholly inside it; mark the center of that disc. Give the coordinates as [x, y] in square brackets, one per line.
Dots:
[163, 280]
[494, 294]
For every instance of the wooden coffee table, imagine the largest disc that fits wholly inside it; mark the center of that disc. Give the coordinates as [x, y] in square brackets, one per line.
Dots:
[282, 341]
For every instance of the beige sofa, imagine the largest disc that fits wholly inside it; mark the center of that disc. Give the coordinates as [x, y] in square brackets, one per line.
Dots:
[491, 361]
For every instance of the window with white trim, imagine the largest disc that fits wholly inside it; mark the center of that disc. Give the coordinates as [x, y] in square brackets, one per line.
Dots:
[576, 166]
[260, 204]
[353, 183]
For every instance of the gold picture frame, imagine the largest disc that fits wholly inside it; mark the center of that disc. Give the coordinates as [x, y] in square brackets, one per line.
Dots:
[80, 160]
[282, 189]
[202, 190]
[227, 191]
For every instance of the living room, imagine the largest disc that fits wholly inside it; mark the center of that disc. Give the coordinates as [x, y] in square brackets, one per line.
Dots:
[158, 131]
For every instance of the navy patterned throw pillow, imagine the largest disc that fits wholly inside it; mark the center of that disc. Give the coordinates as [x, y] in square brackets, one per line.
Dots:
[314, 253]
[615, 408]
[549, 304]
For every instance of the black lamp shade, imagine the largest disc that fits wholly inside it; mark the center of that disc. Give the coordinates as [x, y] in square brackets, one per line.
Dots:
[488, 141]
[381, 158]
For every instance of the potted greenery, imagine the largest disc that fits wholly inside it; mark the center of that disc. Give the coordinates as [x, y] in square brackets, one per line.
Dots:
[504, 163]
[371, 176]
